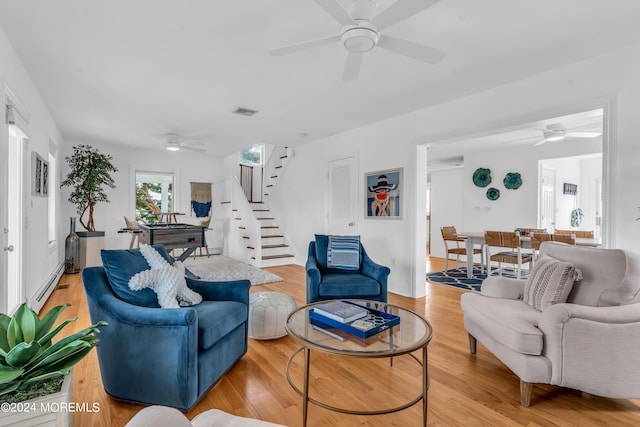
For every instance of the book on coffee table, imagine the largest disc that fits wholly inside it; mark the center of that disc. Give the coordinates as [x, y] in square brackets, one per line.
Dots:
[373, 323]
[341, 311]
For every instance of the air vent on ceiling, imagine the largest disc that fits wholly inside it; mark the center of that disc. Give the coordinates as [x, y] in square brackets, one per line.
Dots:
[245, 111]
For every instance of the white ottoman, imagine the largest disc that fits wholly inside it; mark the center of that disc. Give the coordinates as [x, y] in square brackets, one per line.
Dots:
[268, 312]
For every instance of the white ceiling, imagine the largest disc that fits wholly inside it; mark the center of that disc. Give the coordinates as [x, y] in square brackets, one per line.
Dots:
[129, 71]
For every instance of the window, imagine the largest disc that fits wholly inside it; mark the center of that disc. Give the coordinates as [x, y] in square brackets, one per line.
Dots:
[154, 194]
[52, 190]
[252, 156]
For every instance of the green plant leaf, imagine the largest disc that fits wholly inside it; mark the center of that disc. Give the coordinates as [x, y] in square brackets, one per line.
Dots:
[47, 337]
[27, 320]
[63, 362]
[4, 326]
[31, 381]
[8, 374]
[48, 320]
[22, 354]
[9, 387]
[68, 341]
[60, 353]
[14, 335]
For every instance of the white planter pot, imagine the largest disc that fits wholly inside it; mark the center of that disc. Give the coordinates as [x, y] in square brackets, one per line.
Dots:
[47, 411]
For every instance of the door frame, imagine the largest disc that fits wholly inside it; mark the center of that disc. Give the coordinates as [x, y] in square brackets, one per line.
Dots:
[542, 167]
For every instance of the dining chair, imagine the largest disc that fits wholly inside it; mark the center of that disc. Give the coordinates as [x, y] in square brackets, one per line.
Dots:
[136, 234]
[582, 234]
[537, 239]
[506, 240]
[529, 231]
[450, 236]
[204, 223]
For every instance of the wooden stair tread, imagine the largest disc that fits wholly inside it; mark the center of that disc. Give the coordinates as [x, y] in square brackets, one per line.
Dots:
[266, 257]
[265, 219]
[274, 246]
[269, 226]
[270, 237]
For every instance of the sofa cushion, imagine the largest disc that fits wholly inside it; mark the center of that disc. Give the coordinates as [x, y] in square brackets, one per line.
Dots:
[322, 245]
[510, 322]
[550, 282]
[343, 285]
[121, 265]
[343, 252]
[216, 319]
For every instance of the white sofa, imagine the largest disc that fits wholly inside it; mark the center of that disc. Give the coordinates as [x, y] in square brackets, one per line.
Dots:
[153, 416]
[590, 343]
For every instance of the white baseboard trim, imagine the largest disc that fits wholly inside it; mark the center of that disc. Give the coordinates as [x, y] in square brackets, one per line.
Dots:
[42, 294]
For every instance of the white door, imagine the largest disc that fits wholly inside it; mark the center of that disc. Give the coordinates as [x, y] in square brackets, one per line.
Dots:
[13, 227]
[343, 194]
[547, 199]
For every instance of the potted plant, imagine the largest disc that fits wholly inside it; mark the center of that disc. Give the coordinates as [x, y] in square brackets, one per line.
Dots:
[89, 172]
[35, 372]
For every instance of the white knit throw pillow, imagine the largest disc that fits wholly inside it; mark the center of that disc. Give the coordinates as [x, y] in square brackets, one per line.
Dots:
[165, 280]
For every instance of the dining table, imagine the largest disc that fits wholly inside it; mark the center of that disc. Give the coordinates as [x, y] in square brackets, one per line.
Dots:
[477, 238]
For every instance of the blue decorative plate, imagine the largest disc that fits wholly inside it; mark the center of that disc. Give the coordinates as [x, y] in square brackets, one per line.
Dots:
[512, 181]
[482, 177]
[493, 194]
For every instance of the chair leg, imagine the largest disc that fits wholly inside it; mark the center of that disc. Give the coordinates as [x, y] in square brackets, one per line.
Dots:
[472, 344]
[525, 393]
[446, 263]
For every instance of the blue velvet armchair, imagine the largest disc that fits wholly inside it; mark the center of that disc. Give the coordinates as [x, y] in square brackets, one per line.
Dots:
[162, 356]
[369, 281]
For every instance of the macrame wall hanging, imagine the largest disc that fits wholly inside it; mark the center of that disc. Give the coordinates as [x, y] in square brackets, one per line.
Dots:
[201, 199]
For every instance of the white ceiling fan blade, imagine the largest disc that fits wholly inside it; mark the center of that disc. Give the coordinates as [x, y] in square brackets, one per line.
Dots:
[583, 134]
[540, 142]
[352, 66]
[303, 45]
[413, 50]
[399, 11]
[333, 8]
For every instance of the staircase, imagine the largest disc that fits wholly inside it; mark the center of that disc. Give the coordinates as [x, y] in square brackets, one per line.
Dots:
[262, 241]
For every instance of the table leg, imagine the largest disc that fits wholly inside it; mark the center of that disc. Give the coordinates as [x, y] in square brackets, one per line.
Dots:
[468, 243]
[305, 397]
[425, 386]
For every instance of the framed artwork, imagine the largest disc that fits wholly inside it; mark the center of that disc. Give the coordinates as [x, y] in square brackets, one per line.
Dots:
[39, 175]
[571, 189]
[383, 194]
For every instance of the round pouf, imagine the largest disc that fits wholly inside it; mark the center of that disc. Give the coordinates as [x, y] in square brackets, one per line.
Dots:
[268, 312]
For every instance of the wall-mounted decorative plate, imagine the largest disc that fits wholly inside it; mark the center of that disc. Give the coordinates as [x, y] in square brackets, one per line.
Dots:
[482, 177]
[512, 181]
[493, 194]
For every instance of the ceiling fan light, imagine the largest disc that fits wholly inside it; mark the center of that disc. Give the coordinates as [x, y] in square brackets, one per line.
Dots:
[359, 40]
[173, 147]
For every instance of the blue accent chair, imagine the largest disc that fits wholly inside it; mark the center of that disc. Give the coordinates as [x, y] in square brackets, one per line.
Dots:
[161, 356]
[324, 283]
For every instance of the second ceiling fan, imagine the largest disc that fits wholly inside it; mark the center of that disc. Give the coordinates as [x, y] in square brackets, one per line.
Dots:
[362, 29]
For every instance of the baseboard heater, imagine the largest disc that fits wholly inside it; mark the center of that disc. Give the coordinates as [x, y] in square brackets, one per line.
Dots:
[51, 282]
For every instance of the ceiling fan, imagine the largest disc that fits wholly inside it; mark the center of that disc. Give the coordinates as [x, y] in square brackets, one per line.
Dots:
[361, 32]
[174, 143]
[557, 132]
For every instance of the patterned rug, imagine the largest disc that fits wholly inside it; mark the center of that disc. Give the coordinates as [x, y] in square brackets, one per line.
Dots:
[457, 277]
[221, 268]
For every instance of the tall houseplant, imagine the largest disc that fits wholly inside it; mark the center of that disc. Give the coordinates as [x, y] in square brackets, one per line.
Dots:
[90, 171]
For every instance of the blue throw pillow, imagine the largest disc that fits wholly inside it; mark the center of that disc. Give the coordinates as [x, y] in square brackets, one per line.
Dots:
[121, 265]
[343, 252]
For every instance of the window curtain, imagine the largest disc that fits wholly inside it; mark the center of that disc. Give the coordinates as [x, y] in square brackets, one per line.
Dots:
[201, 199]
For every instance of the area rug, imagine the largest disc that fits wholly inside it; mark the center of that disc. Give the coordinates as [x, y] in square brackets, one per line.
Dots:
[457, 277]
[222, 268]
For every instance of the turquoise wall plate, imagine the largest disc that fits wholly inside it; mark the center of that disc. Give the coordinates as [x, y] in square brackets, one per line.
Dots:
[512, 181]
[482, 177]
[493, 194]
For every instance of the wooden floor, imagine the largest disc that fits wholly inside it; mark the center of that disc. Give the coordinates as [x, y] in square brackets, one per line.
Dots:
[466, 390]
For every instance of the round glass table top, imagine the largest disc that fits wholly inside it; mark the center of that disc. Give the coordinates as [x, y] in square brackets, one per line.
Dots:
[412, 333]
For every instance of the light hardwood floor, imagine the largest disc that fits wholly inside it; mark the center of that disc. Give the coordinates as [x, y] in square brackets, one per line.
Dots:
[466, 390]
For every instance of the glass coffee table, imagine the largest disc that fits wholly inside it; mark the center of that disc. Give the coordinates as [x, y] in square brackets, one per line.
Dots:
[412, 334]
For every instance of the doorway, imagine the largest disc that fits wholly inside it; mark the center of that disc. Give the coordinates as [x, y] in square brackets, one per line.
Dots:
[343, 195]
[547, 198]
[14, 249]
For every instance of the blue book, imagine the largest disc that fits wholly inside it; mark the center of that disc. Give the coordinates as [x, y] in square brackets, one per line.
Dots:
[373, 323]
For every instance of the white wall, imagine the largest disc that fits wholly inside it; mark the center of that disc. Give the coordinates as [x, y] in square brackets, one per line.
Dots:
[567, 171]
[447, 199]
[392, 143]
[590, 172]
[41, 259]
[109, 217]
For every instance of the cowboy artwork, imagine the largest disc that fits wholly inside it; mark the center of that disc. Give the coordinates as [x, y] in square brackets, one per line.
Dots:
[383, 199]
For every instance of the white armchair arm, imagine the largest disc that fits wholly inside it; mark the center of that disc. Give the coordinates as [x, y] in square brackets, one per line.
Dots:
[502, 287]
[594, 348]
